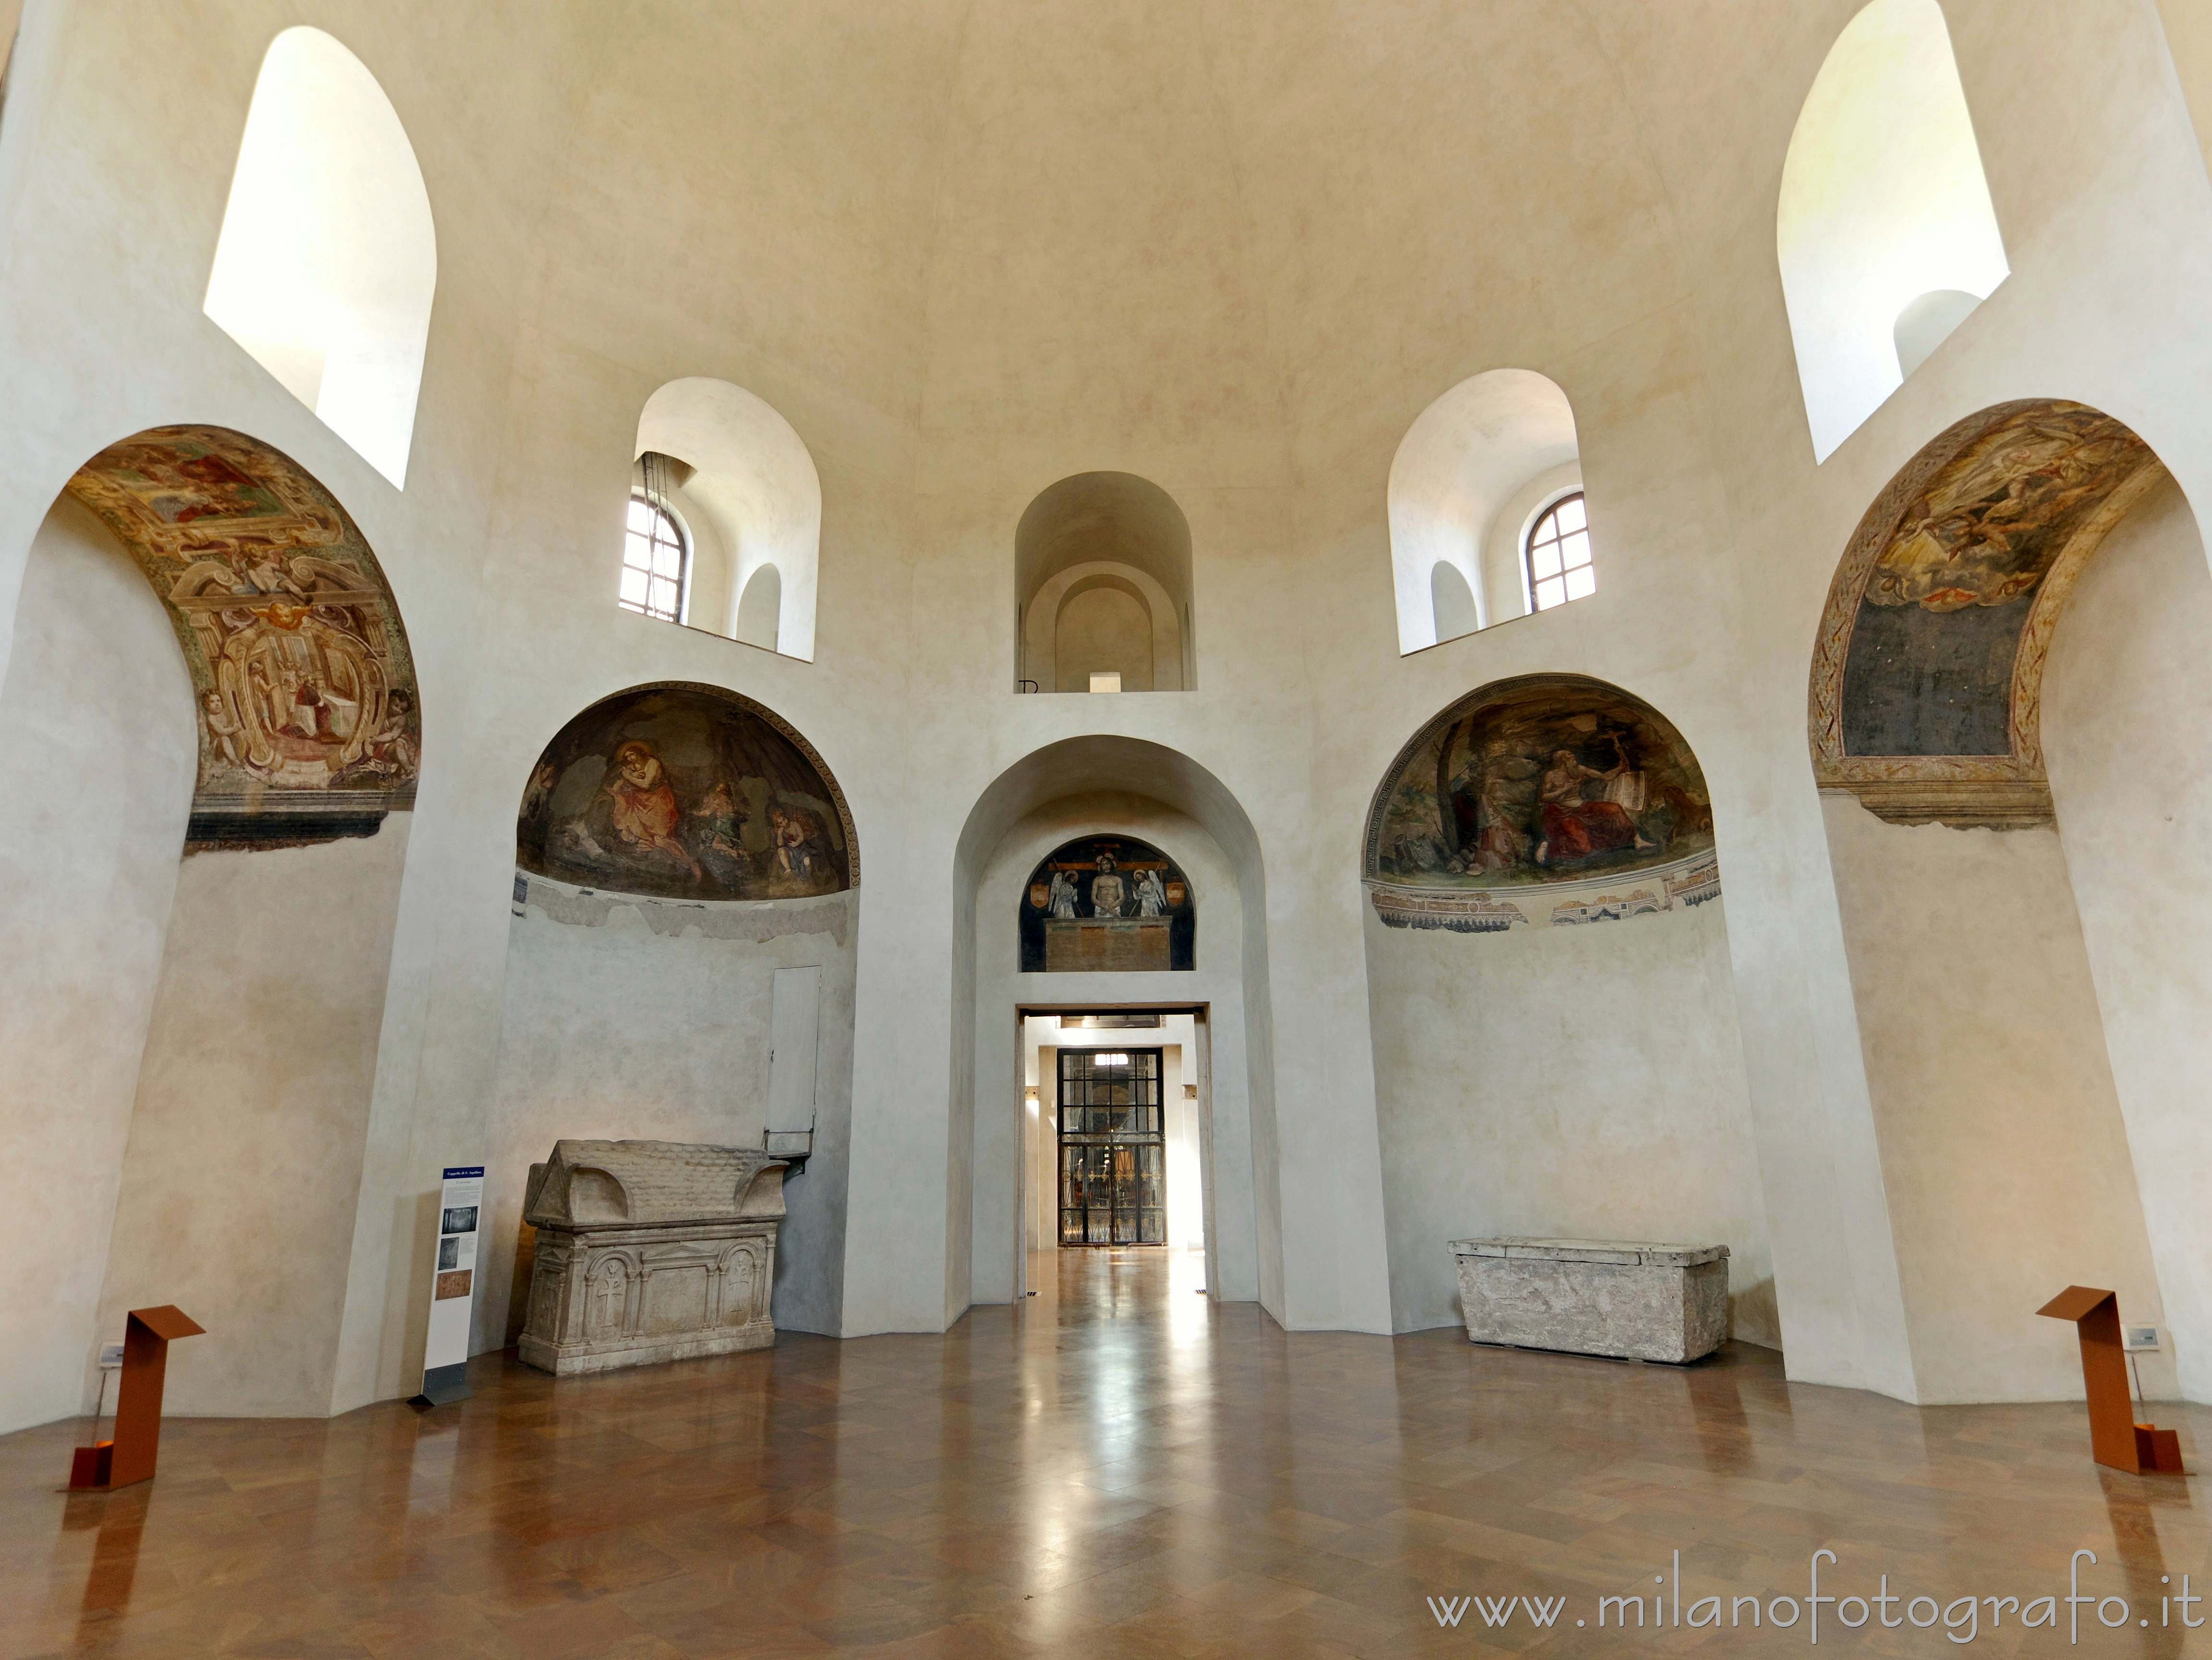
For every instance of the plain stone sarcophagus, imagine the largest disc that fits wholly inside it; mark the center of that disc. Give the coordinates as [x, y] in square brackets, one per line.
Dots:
[1622, 1298]
[649, 1252]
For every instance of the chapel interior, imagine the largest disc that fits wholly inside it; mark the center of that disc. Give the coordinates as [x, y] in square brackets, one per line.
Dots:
[946, 827]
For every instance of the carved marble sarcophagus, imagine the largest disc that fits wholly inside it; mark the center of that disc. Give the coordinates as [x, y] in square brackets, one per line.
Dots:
[649, 1252]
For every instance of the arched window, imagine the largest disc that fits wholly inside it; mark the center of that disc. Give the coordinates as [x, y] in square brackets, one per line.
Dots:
[1559, 567]
[656, 566]
[1884, 230]
[328, 259]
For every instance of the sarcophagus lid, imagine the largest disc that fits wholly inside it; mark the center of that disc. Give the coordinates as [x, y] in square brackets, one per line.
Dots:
[632, 1185]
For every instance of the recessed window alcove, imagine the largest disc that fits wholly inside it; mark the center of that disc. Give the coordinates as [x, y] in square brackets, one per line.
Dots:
[1102, 579]
[1473, 477]
[1885, 230]
[328, 258]
[739, 482]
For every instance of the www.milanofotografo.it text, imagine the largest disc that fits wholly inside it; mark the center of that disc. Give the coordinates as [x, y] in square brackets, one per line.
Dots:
[1960, 1618]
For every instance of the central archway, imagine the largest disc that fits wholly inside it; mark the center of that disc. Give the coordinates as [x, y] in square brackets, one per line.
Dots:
[1106, 784]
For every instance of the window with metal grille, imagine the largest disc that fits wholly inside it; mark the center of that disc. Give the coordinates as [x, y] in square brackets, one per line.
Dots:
[656, 562]
[1113, 1153]
[1559, 567]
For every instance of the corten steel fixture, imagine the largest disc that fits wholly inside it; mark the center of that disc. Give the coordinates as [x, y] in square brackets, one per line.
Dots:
[2115, 1439]
[129, 1457]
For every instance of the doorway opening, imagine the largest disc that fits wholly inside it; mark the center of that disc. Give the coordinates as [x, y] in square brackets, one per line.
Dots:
[1113, 1148]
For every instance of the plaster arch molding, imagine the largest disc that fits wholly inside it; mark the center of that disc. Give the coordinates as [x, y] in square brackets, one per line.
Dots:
[754, 481]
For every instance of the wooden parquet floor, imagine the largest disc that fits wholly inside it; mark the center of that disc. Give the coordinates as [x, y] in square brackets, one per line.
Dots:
[1116, 1467]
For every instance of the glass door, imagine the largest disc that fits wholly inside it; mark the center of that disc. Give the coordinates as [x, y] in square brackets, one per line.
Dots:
[1113, 1150]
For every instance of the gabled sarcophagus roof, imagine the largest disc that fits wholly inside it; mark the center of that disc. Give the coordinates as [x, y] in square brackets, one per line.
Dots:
[632, 1185]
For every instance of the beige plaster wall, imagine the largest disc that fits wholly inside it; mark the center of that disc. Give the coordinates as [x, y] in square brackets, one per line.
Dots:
[96, 728]
[244, 1163]
[2127, 698]
[1580, 1082]
[2003, 1146]
[640, 1020]
[2189, 33]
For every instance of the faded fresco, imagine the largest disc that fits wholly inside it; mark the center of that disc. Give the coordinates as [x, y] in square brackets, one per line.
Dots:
[1927, 673]
[1552, 783]
[299, 664]
[1108, 903]
[1929, 667]
[684, 792]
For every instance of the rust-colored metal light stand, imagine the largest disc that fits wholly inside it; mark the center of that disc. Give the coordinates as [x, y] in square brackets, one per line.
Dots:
[129, 1457]
[2116, 1440]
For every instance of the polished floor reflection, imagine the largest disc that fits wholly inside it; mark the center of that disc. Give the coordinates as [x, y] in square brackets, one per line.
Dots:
[1117, 1466]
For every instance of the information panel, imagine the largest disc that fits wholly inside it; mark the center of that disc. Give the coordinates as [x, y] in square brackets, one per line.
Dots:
[452, 1295]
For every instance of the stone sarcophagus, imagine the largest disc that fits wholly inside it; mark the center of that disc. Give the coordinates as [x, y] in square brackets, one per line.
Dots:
[648, 1251]
[1622, 1298]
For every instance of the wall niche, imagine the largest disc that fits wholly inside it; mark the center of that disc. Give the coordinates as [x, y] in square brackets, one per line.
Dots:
[1102, 579]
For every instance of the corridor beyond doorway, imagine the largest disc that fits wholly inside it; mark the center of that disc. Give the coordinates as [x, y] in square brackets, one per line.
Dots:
[1111, 1130]
[1116, 1134]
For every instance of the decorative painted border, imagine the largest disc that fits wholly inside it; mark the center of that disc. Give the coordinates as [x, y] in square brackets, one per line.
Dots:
[1678, 886]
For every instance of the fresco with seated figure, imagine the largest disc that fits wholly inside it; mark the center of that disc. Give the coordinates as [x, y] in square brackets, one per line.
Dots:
[684, 792]
[1550, 782]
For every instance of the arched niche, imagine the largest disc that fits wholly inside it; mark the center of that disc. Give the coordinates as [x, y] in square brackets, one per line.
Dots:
[1102, 585]
[327, 262]
[1518, 805]
[1452, 600]
[1108, 904]
[2020, 1071]
[682, 954]
[1468, 478]
[760, 607]
[747, 491]
[1885, 219]
[686, 791]
[310, 726]
[1551, 992]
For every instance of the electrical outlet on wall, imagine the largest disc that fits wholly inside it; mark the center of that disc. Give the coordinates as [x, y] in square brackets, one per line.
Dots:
[2141, 1337]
